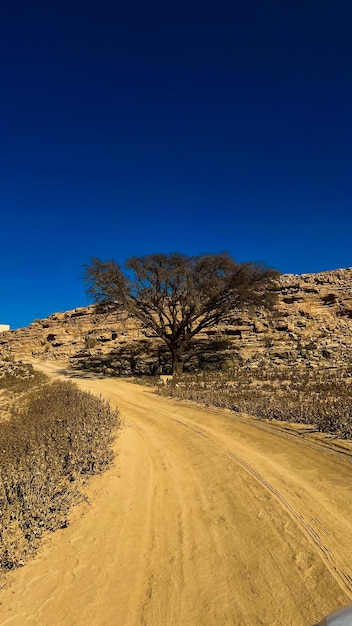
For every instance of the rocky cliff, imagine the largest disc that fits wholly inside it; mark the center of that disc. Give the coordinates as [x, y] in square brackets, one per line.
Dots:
[311, 325]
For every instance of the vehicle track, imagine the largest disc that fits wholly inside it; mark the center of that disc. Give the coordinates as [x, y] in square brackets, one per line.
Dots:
[343, 578]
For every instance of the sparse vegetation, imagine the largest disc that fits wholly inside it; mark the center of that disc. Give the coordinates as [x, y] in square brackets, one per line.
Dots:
[19, 377]
[48, 448]
[319, 397]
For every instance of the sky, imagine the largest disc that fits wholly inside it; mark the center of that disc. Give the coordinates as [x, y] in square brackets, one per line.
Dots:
[128, 128]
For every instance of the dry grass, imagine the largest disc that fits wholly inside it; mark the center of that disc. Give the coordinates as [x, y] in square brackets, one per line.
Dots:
[321, 398]
[58, 438]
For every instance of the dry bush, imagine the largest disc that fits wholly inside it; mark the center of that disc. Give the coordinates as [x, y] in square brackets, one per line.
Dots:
[19, 377]
[16, 380]
[60, 436]
[321, 398]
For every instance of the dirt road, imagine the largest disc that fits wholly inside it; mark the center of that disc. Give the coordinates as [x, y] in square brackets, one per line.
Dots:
[205, 519]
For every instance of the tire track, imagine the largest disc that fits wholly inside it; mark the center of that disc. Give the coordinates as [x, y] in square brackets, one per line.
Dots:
[342, 577]
[329, 444]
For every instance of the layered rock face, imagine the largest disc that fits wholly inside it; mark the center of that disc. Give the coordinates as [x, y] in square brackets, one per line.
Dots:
[311, 325]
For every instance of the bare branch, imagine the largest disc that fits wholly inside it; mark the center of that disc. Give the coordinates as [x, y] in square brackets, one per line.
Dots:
[177, 296]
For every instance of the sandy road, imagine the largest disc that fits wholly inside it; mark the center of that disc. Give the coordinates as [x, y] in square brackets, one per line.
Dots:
[206, 519]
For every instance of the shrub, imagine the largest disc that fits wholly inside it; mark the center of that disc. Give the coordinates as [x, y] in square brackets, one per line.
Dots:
[60, 436]
[321, 398]
[19, 377]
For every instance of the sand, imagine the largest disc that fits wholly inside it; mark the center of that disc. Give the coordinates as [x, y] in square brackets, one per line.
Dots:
[206, 518]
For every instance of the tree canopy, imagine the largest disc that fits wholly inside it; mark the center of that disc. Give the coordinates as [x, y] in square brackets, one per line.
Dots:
[176, 296]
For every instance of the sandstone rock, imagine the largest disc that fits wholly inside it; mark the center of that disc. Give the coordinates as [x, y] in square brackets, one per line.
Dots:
[259, 327]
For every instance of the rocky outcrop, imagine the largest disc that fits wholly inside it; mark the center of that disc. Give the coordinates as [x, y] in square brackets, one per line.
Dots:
[311, 325]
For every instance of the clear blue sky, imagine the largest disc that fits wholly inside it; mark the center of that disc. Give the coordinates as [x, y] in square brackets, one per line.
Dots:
[135, 127]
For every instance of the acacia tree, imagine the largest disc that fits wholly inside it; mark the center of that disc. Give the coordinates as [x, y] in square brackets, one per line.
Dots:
[177, 296]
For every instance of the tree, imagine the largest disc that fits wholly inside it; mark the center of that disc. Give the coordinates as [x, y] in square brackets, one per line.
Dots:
[177, 296]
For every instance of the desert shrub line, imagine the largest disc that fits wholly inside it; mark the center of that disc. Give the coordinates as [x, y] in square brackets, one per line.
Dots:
[320, 398]
[49, 447]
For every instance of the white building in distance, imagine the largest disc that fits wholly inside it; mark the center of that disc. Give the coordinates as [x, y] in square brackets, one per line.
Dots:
[4, 327]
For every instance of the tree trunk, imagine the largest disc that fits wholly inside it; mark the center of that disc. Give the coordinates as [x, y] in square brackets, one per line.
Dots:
[177, 363]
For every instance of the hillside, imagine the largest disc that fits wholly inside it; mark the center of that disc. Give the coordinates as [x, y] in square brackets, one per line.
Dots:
[311, 325]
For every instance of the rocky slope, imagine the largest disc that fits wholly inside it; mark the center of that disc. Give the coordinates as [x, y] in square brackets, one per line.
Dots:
[311, 325]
